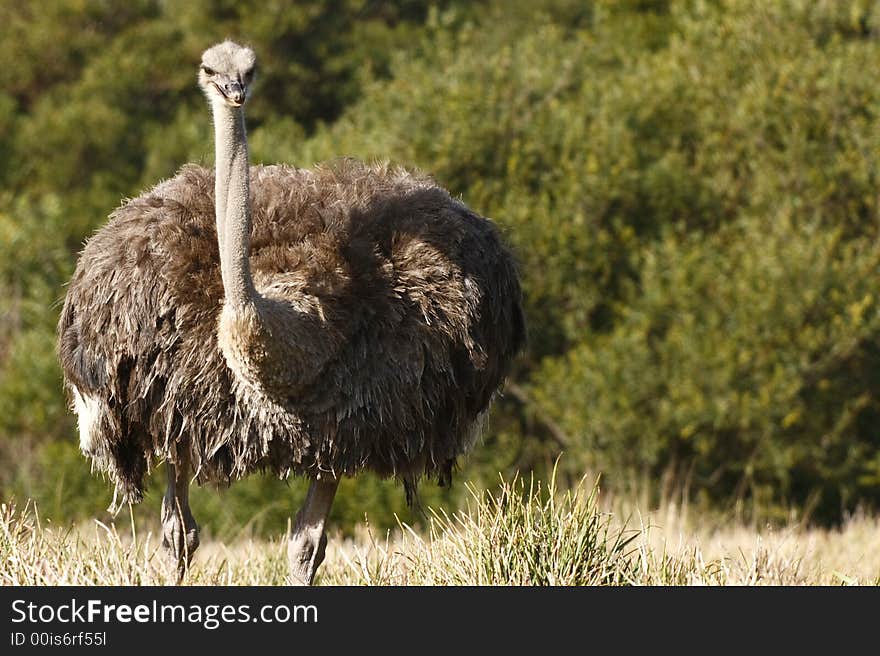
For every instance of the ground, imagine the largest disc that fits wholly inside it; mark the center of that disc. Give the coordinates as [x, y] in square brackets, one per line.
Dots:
[525, 534]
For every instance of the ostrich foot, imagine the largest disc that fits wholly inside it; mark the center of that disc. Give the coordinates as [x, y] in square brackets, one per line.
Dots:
[306, 553]
[306, 547]
[180, 532]
[180, 537]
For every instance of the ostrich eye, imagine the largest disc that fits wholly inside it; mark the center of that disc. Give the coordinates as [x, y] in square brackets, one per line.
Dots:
[208, 71]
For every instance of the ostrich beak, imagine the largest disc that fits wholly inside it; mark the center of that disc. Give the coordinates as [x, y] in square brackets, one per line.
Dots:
[233, 92]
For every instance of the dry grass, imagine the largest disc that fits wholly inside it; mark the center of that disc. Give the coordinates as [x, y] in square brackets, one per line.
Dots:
[526, 534]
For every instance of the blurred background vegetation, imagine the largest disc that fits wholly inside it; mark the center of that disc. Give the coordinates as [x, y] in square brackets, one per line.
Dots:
[691, 188]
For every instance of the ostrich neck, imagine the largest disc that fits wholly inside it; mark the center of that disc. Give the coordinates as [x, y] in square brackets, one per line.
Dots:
[232, 204]
[261, 337]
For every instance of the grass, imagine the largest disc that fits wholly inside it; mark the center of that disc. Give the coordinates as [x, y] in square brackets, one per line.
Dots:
[525, 533]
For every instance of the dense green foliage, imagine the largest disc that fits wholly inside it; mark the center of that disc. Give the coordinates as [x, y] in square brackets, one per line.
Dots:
[690, 187]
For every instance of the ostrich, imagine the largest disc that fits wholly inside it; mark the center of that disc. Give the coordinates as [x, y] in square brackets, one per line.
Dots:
[316, 322]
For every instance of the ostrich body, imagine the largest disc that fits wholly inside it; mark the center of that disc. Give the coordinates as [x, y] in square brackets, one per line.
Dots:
[314, 322]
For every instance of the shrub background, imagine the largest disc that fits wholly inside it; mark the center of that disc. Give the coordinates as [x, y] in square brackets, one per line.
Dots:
[690, 187]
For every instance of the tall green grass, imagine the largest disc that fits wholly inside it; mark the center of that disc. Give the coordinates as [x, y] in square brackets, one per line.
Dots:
[526, 534]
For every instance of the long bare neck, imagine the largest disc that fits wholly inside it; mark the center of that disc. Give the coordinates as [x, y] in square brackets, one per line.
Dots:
[232, 204]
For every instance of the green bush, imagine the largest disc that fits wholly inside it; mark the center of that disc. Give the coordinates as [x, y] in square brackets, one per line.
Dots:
[747, 360]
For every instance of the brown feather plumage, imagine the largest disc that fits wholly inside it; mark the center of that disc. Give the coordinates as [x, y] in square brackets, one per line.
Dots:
[408, 317]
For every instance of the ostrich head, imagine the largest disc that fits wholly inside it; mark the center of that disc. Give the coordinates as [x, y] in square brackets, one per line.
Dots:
[226, 73]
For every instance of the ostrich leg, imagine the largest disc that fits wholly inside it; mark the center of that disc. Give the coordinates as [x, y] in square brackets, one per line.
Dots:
[306, 547]
[180, 533]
